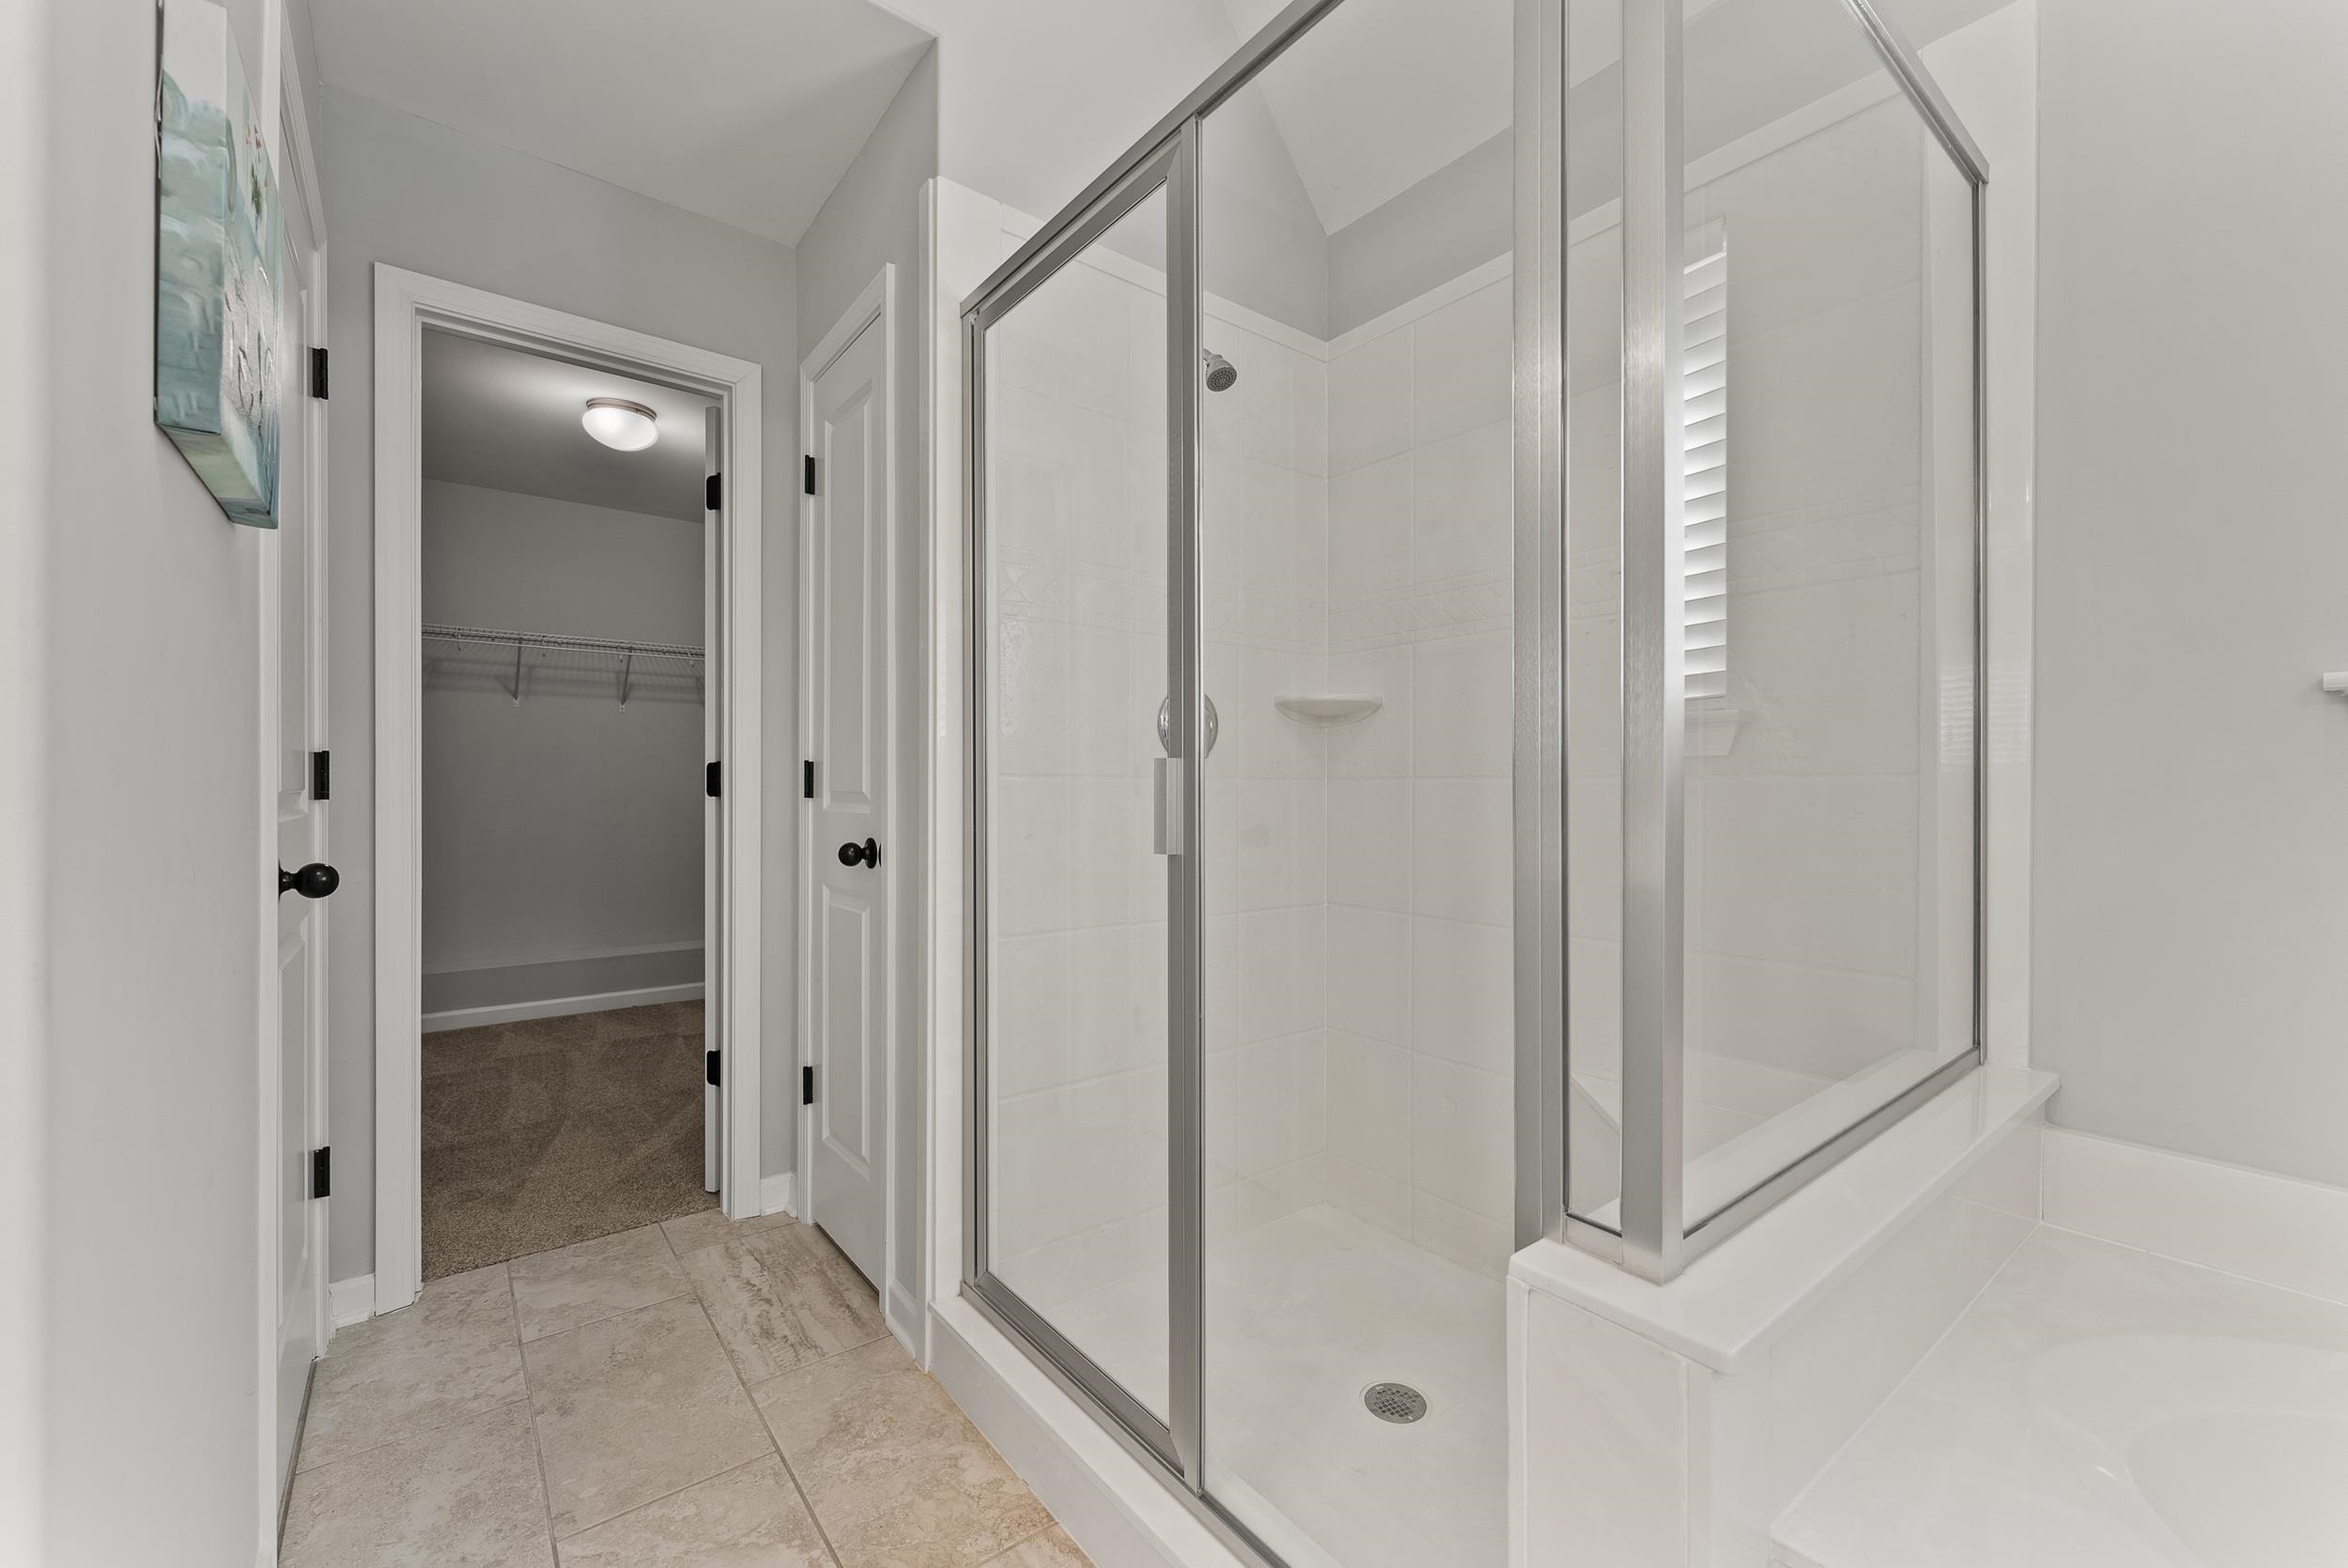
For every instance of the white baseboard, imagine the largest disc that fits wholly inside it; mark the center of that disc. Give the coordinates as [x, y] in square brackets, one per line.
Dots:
[560, 1006]
[1118, 1513]
[567, 955]
[350, 1300]
[774, 1195]
[2278, 1230]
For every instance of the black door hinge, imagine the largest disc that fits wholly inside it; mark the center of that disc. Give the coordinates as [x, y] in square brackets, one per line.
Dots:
[807, 779]
[709, 1069]
[321, 777]
[321, 1173]
[808, 478]
[317, 373]
[713, 492]
[709, 780]
[807, 1085]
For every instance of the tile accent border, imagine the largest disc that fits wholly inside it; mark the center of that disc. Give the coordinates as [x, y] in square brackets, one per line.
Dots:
[2278, 1230]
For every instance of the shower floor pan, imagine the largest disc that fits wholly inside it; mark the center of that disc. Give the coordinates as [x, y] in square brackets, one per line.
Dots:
[1303, 1316]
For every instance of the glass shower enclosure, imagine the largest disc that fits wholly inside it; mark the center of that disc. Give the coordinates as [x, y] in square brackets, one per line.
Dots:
[1473, 540]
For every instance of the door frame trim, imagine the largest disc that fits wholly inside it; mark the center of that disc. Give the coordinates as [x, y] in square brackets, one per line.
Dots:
[406, 303]
[875, 303]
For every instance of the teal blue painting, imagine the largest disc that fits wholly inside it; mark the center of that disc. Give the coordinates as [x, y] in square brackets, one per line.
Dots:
[216, 272]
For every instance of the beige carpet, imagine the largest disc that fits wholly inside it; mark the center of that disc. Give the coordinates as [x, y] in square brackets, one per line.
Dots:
[559, 1130]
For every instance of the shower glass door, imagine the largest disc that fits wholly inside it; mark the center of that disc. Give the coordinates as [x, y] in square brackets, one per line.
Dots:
[1075, 897]
[1243, 1105]
[1357, 576]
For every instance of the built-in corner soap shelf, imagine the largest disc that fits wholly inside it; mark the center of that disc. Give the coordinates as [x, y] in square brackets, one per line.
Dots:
[1328, 712]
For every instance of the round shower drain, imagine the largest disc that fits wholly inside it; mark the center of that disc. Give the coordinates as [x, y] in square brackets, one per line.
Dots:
[1395, 1402]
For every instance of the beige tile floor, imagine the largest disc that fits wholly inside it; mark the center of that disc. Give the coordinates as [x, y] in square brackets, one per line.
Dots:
[696, 1393]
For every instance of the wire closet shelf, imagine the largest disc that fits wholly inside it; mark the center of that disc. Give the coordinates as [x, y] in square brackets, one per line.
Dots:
[670, 659]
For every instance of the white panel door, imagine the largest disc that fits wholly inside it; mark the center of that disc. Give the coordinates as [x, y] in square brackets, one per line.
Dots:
[846, 939]
[297, 1074]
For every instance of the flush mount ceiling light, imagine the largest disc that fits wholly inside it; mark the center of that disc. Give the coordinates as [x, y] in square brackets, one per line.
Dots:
[619, 425]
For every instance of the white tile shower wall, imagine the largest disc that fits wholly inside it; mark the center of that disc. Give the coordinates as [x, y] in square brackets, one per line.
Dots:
[1077, 432]
[1264, 565]
[1420, 1083]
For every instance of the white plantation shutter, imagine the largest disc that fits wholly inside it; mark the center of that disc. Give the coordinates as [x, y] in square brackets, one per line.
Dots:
[1704, 399]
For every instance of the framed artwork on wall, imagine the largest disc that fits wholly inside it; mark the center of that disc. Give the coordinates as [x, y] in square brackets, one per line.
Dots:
[216, 266]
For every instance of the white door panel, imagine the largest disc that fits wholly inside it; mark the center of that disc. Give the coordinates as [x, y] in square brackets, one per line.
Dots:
[295, 1073]
[845, 1111]
[846, 917]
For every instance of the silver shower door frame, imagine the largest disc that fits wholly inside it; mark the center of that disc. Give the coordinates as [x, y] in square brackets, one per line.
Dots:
[1167, 158]
[1654, 1239]
[1171, 167]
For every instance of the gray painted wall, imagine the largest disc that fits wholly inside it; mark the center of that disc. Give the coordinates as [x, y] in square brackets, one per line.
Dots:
[24, 866]
[2191, 900]
[1037, 96]
[565, 825]
[145, 731]
[873, 217]
[419, 195]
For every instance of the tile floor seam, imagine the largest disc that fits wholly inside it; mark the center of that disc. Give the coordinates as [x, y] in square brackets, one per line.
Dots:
[537, 1439]
[797, 1486]
[772, 1441]
[558, 1536]
[640, 1507]
[816, 1361]
[623, 1311]
[1026, 1541]
[300, 1470]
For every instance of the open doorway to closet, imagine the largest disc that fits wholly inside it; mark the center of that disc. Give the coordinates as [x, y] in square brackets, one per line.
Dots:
[568, 629]
[565, 596]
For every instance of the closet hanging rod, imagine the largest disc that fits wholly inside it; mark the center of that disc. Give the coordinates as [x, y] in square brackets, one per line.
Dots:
[495, 637]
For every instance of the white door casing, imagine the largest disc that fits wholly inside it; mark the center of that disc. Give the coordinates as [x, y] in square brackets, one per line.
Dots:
[847, 690]
[406, 303]
[293, 1074]
[712, 816]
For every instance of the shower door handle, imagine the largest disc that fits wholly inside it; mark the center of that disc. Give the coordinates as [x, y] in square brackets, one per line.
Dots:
[1165, 794]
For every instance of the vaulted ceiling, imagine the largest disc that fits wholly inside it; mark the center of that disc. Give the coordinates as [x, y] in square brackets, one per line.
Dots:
[745, 110]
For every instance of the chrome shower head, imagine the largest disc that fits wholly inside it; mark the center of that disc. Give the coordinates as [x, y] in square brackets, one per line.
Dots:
[1222, 375]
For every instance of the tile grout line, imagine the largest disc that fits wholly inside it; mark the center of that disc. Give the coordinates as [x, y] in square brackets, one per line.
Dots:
[678, 1491]
[767, 1426]
[591, 1322]
[537, 1439]
[1024, 1541]
[425, 1431]
[554, 1537]
[300, 1470]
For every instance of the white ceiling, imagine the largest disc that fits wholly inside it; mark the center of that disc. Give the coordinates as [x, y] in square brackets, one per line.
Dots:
[507, 420]
[1385, 92]
[745, 110]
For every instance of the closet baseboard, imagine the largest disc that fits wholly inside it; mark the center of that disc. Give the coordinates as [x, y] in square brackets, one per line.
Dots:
[558, 1007]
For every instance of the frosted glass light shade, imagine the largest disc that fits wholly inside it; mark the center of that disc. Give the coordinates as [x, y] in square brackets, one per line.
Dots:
[619, 425]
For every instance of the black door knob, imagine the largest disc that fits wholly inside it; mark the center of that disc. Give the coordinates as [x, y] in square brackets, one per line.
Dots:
[314, 881]
[866, 853]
